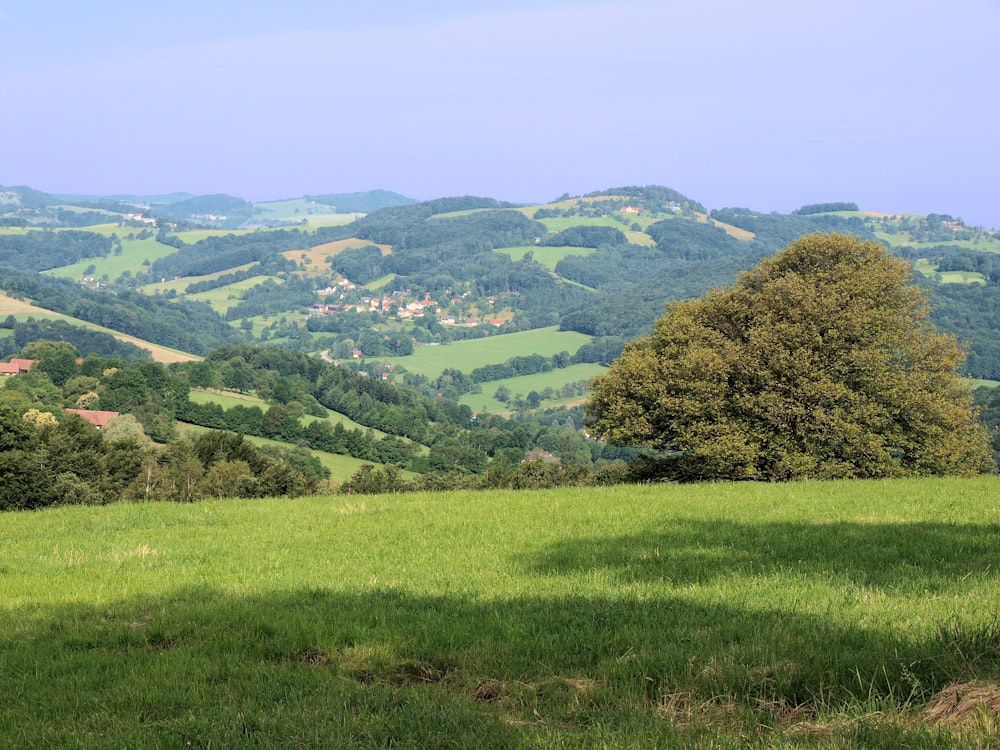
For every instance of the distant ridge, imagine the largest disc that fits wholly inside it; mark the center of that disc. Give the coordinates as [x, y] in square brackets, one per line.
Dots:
[362, 203]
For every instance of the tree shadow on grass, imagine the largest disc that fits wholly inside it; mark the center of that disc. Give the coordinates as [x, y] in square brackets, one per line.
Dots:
[380, 668]
[905, 557]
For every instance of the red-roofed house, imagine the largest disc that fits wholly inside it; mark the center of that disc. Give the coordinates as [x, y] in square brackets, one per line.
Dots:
[16, 366]
[96, 418]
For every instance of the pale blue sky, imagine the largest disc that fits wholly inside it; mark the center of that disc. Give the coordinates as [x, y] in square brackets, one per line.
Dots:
[767, 105]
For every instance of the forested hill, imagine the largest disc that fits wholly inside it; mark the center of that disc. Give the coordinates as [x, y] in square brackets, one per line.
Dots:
[409, 273]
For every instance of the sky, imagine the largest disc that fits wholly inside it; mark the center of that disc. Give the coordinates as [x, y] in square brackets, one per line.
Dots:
[767, 105]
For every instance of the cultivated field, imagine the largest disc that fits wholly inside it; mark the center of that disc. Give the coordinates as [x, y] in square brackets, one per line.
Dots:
[828, 615]
[468, 355]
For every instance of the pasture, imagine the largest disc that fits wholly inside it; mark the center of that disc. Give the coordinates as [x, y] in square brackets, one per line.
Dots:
[525, 384]
[547, 256]
[828, 615]
[223, 297]
[341, 467]
[135, 258]
[181, 284]
[229, 399]
[432, 360]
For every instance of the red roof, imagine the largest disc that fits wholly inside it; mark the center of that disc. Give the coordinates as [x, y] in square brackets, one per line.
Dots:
[16, 366]
[97, 418]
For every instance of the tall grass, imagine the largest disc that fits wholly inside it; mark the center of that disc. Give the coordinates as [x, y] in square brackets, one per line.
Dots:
[811, 614]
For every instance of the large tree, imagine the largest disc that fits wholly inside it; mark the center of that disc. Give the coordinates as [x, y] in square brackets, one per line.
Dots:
[820, 362]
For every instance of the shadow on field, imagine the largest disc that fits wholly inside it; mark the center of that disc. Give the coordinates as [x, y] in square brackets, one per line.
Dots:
[318, 668]
[900, 556]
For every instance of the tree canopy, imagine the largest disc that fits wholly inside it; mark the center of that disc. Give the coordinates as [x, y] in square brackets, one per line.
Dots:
[819, 363]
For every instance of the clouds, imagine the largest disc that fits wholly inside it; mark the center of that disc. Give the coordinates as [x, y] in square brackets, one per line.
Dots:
[730, 102]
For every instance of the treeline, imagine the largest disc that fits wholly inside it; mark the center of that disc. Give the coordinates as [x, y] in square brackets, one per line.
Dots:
[586, 236]
[84, 339]
[49, 456]
[774, 231]
[270, 296]
[271, 265]
[49, 460]
[214, 254]
[235, 210]
[655, 198]
[822, 208]
[43, 249]
[189, 326]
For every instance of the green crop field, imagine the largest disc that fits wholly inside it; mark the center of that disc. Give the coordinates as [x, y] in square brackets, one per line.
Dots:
[525, 384]
[468, 355]
[809, 614]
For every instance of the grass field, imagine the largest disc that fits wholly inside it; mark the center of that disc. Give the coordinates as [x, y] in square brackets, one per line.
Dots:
[314, 261]
[179, 285]
[24, 310]
[926, 268]
[134, 257]
[229, 399]
[468, 355]
[894, 240]
[340, 467]
[547, 256]
[821, 615]
[223, 297]
[525, 384]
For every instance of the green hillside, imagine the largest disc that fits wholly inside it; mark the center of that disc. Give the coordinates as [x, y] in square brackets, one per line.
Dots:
[854, 614]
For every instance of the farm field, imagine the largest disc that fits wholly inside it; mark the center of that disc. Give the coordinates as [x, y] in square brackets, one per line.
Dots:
[525, 384]
[811, 614]
[314, 259]
[547, 256]
[24, 310]
[468, 355]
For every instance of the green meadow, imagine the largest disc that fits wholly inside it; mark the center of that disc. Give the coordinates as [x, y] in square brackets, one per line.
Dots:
[179, 285]
[525, 384]
[547, 256]
[229, 399]
[819, 615]
[468, 355]
[135, 258]
[223, 297]
[341, 467]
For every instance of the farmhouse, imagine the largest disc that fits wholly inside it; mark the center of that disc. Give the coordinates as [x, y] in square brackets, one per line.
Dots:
[16, 366]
